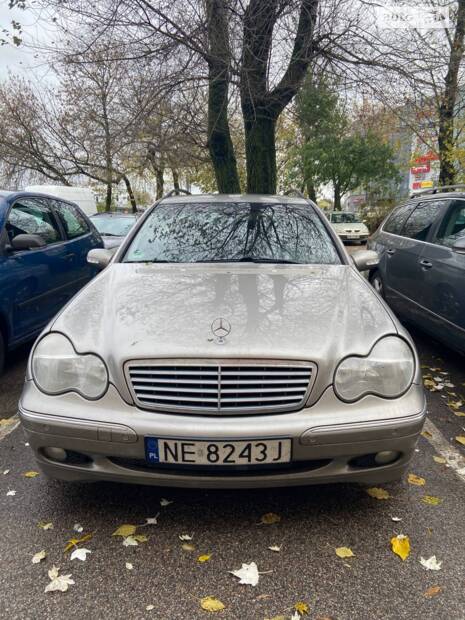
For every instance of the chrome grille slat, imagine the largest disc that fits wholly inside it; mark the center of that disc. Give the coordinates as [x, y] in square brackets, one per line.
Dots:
[228, 387]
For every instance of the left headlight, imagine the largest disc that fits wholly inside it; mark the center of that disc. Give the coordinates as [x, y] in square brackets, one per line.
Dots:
[58, 368]
[387, 371]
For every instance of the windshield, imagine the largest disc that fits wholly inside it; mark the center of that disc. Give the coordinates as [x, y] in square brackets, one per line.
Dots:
[113, 226]
[231, 232]
[344, 218]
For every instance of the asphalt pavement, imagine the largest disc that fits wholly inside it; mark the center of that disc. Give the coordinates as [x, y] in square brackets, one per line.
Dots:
[167, 581]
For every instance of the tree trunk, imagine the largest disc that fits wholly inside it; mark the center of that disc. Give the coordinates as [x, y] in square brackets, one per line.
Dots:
[175, 179]
[220, 144]
[108, 196]
[260, 151]
[337, 197]
[446, 137]
[160, 181]
[132, 198]
[311, 191]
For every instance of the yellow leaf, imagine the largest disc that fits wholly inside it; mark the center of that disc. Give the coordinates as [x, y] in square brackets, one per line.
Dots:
[433, 591]
[460, 414]
[302, 608]
[460, 439]
[455, 405]
[431, 500]
[344, 552]
[416, 480]
[426, 434]
[430, 385]
[269, 518]
[6, 421]
[204, 558]
[140, 538]
[401, 546]
[378, 493]
[439, 459]
[188, 547]
[210, 603]
[74, 542]
[125, 530]
[30, 474]
[44, 525]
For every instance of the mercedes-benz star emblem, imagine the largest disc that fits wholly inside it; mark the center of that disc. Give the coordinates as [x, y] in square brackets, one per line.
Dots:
[221, 328]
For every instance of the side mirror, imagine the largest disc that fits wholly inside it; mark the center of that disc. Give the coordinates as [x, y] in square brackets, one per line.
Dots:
[365, 259]
[100, 257]
[27, 242]
[459, 246]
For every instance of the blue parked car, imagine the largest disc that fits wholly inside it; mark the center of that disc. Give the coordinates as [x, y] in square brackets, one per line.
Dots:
[44, 243]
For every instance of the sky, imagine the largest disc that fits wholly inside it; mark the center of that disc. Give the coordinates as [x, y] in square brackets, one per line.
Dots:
[37, 29]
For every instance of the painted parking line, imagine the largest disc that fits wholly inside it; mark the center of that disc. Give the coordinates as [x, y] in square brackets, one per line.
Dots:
[6, 430]
[443, 447]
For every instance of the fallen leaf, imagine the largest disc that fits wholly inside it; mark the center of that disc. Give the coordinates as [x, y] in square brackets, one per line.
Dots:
[149, 607]
[5, 472]
[125, 530]
[430, 385]
[188, 547]
[38, 557]
[204, 558]
[439, 459]
[426, 434]
[247, 574]
[130, 566]
[44, 525]
[78, 528]
[295, 616]
[302, 608]
[378, 493]
[130, 541]
[58, 582]
[431, 563]
[80, 554]
[209, 603]
[396, 519]
[344, 552]
[277, 618]
[455, 405]
[416, 480]
[152, 520]
[30, 474]
[433, 591]
[165, 502]
[262, 597]
[460, 439]
[11, 493]
[6, 421]
[269, 518]
[184, 537]
[140, 538]
[431, 500]
[275, 548]
[74, 542]
[400, 545]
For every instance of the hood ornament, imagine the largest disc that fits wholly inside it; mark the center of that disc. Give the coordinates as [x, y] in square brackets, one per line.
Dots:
[221, 328]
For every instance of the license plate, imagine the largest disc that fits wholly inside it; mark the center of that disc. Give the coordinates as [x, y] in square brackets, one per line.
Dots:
[184, 452]
[352, 236]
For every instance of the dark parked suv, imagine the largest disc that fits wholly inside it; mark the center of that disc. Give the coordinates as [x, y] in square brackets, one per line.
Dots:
[421, 272]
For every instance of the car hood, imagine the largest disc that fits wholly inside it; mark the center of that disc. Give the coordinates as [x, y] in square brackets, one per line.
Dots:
[356, 226]
[315, 313]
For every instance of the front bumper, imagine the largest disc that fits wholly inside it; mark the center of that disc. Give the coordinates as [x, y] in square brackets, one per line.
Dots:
[326, 438]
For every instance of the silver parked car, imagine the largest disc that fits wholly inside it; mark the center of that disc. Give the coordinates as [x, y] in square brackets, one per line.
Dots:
[229, 342]
[421, 272]
[348, 226]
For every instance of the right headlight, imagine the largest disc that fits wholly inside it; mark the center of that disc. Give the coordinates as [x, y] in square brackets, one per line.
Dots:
[57, 368]
[387, 371]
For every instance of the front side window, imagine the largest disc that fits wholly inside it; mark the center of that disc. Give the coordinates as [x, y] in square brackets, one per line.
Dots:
[420, 221]
[452, 227]
[113, 226]
[396, 220]
[33, 216]
[193, 232]
[73, 221]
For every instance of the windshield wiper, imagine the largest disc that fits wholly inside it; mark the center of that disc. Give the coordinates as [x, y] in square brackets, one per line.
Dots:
[250, 259]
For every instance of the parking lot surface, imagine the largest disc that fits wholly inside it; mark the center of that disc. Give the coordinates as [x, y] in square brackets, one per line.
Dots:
[161, 579]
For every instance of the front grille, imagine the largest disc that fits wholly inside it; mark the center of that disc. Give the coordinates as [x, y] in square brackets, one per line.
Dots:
[226, 387]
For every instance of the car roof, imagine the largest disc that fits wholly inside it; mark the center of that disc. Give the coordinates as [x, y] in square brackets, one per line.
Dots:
[113, 214]
[14, 195]
[440, 195]
[215, 198]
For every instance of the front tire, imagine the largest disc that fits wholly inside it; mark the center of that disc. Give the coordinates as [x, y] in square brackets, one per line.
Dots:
[377, 283]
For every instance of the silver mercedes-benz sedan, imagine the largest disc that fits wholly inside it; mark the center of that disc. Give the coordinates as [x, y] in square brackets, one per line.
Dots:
[229, 342]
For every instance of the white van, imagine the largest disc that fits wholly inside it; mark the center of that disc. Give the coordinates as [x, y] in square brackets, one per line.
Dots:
[82, 196]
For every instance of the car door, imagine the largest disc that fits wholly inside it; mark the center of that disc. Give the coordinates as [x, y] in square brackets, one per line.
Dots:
[35, 277]
[444, 279]
[82, 237]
